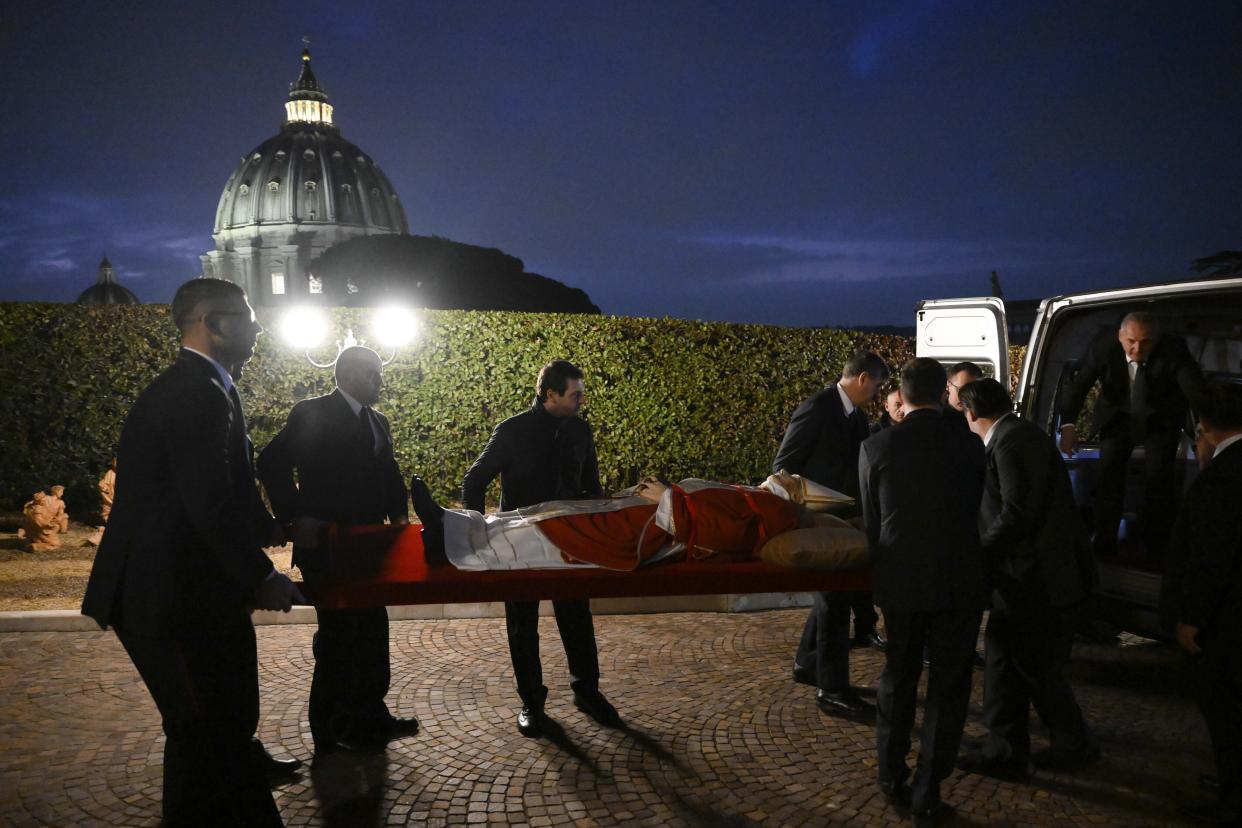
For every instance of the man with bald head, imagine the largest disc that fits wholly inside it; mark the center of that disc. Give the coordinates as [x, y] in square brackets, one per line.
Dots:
[181, 563]
[1148, 381]
[341, 451]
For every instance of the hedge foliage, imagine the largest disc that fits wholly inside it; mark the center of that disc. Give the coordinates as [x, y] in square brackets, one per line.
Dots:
[669, 397]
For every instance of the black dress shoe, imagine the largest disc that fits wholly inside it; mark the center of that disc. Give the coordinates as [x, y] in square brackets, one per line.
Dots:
[872, 639]
[530, 722]
[598, 708]
[842, 703]
[1013, 768]
[897, 794]
[933, 815]
[1066, 760]
[803, 675]
[274, 768]
[399, 727]
[1212, 813]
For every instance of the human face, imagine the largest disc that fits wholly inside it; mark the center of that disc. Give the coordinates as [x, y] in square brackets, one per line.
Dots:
[233, 330]
[863, 388]
[955, 386]
[363, 378]
[1137, 340]
[892, 404]
[567, 404]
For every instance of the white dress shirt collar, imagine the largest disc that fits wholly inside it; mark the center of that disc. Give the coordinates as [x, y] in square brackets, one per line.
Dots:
[992, 430]
[846, 403]
[225, 377]
[1226, 443]
[354, 405]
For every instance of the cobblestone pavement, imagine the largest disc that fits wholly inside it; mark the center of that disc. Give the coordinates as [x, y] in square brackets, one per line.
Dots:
[717, 735]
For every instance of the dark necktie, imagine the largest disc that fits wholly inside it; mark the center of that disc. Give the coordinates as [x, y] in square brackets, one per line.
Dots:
[1138, 391]
[366, 435]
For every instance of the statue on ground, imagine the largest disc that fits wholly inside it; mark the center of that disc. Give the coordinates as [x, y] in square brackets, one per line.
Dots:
[107, 488]
[40, 524]
[55, 501]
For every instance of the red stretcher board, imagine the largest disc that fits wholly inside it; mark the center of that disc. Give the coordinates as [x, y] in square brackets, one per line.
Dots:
[377, 566]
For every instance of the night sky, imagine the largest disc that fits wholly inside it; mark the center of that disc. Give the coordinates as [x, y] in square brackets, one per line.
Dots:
[789, 163]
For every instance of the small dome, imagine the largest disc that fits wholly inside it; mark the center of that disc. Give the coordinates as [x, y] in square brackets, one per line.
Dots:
[106, 291]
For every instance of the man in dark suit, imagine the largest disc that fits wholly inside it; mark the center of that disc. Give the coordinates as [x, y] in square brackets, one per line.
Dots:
[921, 482]
[821, 444]
[546, 453]
[1035, 546]
[1148, 381]
[341, 450]
[1203, 595]
[960, 374]
[181, 564]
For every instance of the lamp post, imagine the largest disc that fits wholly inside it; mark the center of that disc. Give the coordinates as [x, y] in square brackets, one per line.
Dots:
[305, 328]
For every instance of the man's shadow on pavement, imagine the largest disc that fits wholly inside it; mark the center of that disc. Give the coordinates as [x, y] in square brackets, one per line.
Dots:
[350, 788]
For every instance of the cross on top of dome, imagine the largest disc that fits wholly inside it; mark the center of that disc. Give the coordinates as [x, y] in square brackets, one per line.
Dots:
[308, 102]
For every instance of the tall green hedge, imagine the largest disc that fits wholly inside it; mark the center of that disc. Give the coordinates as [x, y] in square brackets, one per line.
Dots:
[667, 397]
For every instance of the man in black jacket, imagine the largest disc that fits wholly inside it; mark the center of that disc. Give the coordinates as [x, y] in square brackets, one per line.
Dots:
[921, 482]
[181, 563]
[821, 444]
[1148, 381]
[546, 453]
[1203, 594]
[1035, 548]
[341, 451]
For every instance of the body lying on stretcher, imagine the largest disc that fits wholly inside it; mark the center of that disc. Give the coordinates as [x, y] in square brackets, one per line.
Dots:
[783, 521]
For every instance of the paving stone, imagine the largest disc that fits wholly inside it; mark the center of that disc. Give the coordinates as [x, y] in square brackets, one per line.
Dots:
[716, 733]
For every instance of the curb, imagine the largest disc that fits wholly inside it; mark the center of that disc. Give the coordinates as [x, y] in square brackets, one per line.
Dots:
[70, 620]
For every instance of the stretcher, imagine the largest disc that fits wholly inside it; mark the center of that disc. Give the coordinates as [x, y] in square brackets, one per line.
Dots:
[375, 566]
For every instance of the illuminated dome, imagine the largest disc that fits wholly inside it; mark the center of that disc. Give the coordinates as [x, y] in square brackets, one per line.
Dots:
[295, 195]
[106, 291]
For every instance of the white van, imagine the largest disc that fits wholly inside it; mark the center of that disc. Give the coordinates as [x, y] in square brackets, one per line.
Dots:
[1207, 313]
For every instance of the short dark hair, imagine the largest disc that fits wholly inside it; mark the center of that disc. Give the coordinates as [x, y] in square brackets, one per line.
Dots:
[555, 376]
[922, 381]
[1220, 405]
[865, 362]
[196, 291]
[969, 367]
[1145, 318]
[985, 398]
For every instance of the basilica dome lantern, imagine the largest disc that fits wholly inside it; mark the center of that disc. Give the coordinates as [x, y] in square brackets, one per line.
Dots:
[294, 196]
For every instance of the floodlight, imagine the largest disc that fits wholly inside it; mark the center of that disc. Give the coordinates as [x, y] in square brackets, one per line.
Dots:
[303, 328]
[395, 326]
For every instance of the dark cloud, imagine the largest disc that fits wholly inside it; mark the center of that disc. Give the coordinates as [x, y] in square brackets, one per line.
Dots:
[801, 163]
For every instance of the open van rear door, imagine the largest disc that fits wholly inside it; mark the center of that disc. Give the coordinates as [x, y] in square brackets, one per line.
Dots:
[957, 330]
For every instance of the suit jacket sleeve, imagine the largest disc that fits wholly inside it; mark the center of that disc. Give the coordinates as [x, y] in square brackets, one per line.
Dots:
[397, 497]
[276, 466]
[484, 470]
[869, 492]
[1190, 376]
[590, 469]
[1078, 388]
[197, 441]
[1023, 478]
[804, 429]
[1212, 542]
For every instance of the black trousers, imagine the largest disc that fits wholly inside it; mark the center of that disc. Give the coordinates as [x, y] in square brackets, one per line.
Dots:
[351, 675]
[577, 628]
[207, 692]
[949, 636]
[1159, 486]
[825, 645]
[1026, 653]
[1219, 695]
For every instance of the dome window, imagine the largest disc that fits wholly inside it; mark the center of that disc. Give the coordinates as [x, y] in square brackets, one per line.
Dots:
[256, 157]
[314, 284]
[375, 192]
[310, 186]
[280, 155]
[244, 189]
[273, 186]
[362, 159]
[308, 155]
[347, 189]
